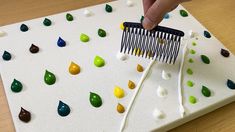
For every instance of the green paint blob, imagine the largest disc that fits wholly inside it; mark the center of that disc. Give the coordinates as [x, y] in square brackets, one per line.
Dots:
[95, 100]
[192, 99]
[6, 56]
[49, 78]
[206, 91]
[205, 59]
[190, 71]
[190, 83]
[99, 62]
[69, 17]
[183, 13]
[191, 51]
[194, 43]
[47, 22]
[141, 19]
[190, 60]
[108, 8]
[16, 86]
[101, 32]
[84, 37]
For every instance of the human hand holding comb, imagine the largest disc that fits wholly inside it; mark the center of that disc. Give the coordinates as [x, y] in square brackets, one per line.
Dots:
[154, 11]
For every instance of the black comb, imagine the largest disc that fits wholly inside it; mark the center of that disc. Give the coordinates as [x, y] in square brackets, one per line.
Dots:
[160, 43]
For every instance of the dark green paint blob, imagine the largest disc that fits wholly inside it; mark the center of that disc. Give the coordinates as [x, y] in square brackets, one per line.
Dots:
[16, 86]
[183, 13]
[24, 28]
[101, 32]
[108, 8]
[49, 78]
[69, 17]
[63, 109]
[190, 60]
[205, 59]
[190, 83]
[191, 51]
[206, 91]
[207, 34]
[194, 43]
[47, 22]
[141, 19]
[6, 56]
[190, 71]
[192, 100]
[95, 100]
[230, 84]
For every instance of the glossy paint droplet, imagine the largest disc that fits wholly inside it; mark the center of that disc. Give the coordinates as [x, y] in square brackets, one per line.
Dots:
[47, 22]
[61, 42]
[190, 60]
[74, 68]
[190, 71]
[183, 13]
[63, 109]
[24, 115]
[224, 53]
[231, 84]
[190, 83]
[95, 100]
[108, 8]
[6, 56]
[118, 92]
[139, 68]
[99, 61]
[206, 91]
[166, 16]
[205, 59]
[33, 49]
[122, 26]
[16, 86]
[69, 17]
[192, 100]
[131, 84]
[120, 108]
[207, 34]
[49, 78]
[191, 51]
[24, 28]
[84, 37]
[101, 32]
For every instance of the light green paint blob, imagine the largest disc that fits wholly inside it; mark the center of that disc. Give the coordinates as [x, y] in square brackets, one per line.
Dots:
[190, 83]
[84, 37]
[192, 99]
[194, 43]
[191, 51]
[190, 71]
[99, 61]
[190, 60]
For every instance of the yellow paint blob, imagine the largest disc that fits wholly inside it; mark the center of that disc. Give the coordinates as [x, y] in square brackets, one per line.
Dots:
[120, 108]
[118, 92]
[74, 68]
[140, 68]
[131, 84]
[122, 26]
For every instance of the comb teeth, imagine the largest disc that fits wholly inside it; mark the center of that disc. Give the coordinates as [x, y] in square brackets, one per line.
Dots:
[160, 43]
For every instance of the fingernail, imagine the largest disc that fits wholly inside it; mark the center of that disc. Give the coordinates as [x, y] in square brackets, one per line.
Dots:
[147, 23]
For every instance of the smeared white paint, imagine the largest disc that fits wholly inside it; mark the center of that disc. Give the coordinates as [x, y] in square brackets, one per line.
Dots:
[121, 56]
[129, 3]
[161, 92]
[87, 12]
[166, 75]
[180, 97]
[144, 75]
[158, 114]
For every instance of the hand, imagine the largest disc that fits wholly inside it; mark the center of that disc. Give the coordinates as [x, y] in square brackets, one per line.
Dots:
[154, 11]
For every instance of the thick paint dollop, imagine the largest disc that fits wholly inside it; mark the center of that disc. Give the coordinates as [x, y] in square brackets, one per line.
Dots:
[206, 91]
[6, 56]
[49, 78]
[61, 42]
[231, 84]
[205, 59]
[69, 17]
[108, 8]
[101, 32]
[99, 61]
[47, 22]
[95, 100]
[63, 109]
[84, 37]
[33, 49]
[224, 53]
[24, 115]
[120, 108]
[118, 92]
[16, 86]
[24, 28]
[74, 68]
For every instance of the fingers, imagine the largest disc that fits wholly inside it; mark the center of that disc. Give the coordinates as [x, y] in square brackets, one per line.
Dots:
[147, 4]
[155, 13]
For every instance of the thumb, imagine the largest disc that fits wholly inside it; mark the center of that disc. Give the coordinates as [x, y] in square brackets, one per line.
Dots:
[155, 13]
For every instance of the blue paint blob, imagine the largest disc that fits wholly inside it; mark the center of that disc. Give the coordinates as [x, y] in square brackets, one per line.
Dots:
[207, 34]
[63, 109]
[61, 42]
[230, 84]
[166, 16]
